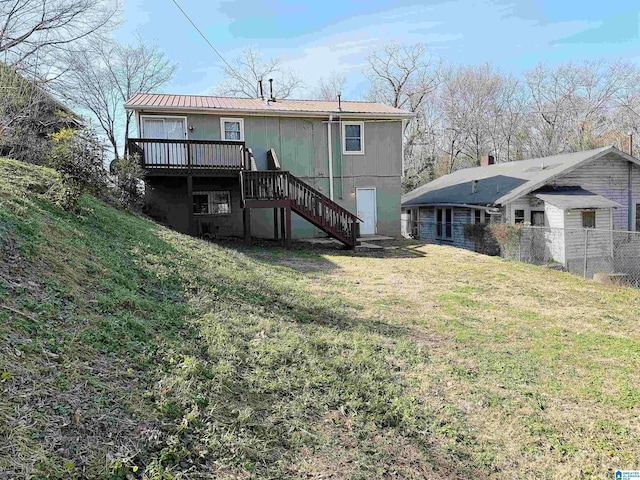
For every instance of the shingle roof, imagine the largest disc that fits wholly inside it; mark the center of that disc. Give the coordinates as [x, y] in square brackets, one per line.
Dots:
[574, 198]
[153, 101]
[503, 182]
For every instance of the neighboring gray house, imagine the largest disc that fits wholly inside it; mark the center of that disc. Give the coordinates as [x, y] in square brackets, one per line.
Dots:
[211, 161]
[597, 188]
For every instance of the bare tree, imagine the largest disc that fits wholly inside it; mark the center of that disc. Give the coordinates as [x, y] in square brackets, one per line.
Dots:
[101, 81]
[404, 77]
[329, 87]
[35, 29]
[241, 79]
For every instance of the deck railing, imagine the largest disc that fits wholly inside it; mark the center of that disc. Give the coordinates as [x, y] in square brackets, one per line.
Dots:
[304, 199]
[188, 155]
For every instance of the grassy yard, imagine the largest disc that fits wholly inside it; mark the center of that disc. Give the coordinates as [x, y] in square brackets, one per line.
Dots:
[131, 351]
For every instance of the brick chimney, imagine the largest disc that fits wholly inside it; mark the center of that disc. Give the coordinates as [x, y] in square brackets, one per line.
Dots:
[486, 160]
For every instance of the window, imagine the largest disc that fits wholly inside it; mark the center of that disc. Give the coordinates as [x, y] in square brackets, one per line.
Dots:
[518, 216]
[637, 217]
[589, 219]
[480, 216]
[537, 218]
[232, 129]
[352, 135]
[211, 203]
[444, 219]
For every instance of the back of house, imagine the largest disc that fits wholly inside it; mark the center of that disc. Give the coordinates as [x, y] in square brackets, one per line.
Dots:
[210, 161]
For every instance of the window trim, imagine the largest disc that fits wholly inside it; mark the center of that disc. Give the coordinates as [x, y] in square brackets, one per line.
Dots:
[209, 194]
[142, 118]
[344, 139]
[231, 119]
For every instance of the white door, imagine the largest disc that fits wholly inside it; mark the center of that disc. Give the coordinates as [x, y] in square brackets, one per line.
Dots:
[366, 206]
[165, 128]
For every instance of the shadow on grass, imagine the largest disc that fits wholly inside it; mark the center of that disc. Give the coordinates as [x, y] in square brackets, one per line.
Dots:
[227, 355]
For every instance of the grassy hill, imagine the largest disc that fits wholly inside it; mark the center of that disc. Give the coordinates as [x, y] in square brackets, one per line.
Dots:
[129, 351]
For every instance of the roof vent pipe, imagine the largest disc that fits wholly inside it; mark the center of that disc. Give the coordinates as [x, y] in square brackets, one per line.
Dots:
[271, 97]
[630, 133]
[261, 93]
[339, 102]
[474, 186]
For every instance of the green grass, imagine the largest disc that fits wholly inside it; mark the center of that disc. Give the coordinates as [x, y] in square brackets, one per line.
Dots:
[130, 351]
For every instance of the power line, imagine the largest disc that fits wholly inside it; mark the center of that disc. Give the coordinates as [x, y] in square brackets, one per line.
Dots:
[209, 43]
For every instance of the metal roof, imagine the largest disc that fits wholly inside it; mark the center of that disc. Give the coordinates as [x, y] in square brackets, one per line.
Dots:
[574, 198]
[503, 182]
[153, 101]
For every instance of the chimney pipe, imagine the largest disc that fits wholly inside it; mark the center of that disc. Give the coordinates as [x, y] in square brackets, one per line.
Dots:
[339, 102]
[474, 186]
[260, 89]
[630, 146]
[271, 97]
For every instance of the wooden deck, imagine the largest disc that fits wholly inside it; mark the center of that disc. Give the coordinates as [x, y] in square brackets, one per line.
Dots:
[188, 157]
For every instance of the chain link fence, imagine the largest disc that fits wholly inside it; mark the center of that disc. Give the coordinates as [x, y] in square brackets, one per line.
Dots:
[613, 255]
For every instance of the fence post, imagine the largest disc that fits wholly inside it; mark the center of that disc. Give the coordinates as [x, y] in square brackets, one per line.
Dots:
[586, 243]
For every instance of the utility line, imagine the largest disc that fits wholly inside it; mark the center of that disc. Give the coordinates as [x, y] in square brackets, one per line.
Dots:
[210, 44]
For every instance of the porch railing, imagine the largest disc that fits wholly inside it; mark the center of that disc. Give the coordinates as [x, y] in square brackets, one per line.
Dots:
[188, 155]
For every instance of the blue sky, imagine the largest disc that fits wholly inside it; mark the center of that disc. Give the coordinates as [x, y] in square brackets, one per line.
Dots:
[316, 38]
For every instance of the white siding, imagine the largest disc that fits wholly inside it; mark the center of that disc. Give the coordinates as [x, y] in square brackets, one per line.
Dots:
[608, 177]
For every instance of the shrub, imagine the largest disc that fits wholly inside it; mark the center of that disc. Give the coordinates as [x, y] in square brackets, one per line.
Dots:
[508, 236]
[482, 238]
[129, 186]
[77, 155]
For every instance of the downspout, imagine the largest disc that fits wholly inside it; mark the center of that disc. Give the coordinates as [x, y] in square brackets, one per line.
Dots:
[330, 149]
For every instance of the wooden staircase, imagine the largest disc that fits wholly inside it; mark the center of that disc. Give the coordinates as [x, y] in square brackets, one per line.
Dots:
[276, 188]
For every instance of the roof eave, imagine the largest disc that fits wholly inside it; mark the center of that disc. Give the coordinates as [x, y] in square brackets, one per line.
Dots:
[263, 113]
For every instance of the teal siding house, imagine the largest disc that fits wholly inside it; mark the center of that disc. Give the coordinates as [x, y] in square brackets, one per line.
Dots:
[270, 168]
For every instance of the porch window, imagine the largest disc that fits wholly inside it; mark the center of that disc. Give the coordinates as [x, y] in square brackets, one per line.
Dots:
[518, 216]
[444, 223]
[353, 142]
[232, 129]
[589, 219]
[212, 203]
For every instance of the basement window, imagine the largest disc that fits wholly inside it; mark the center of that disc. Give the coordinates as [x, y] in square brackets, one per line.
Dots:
[352, 138]
[589, 219]
[211, 203]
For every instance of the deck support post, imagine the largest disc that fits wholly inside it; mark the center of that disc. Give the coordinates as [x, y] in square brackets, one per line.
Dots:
[246, 220]
[288, 221]
[190, 205]
[275, 224]
[283, 227]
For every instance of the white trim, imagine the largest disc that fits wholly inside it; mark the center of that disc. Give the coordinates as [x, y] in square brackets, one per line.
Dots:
[180, 117]
[375, 205]
[231, 119]
[344, 138]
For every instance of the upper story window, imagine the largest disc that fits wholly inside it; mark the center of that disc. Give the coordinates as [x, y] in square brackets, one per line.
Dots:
[232, 129]
[353, 138]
